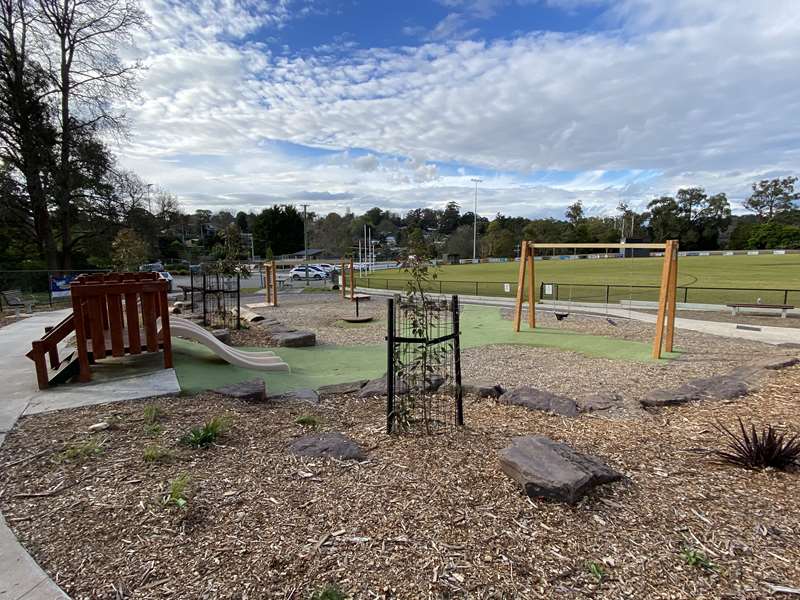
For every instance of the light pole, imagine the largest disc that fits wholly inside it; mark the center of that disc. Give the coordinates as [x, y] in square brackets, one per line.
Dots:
[475, 180]
[305, 243]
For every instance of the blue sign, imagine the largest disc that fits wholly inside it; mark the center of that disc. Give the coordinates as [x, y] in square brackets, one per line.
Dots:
[59, 286]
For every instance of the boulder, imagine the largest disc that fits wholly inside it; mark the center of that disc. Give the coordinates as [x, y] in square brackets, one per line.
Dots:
[299, 395]
[599, 401]
[102, 426]
[294, 339]
[253, 390]
[718, 387]
[776, 363]
[334, 445]
[482, 389]
[336, 389]
[223, 335]
[534, 399]
[433, 382]
[550, 469]
[377, 387]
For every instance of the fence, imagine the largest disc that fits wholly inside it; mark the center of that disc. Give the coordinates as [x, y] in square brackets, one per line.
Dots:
[221, 300]
[586, 292]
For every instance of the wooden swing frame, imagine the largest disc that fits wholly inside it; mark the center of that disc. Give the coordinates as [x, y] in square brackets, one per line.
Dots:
[665, 320]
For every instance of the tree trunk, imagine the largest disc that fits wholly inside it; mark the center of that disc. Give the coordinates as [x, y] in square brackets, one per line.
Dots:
[41, 215]
[64, 189]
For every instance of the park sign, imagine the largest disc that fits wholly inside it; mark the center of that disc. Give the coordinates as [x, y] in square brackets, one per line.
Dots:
[59, 286]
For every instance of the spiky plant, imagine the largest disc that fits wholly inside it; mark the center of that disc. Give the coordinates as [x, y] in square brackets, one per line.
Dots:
[750, 450]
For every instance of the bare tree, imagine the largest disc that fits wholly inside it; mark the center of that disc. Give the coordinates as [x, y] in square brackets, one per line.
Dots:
[87, 77]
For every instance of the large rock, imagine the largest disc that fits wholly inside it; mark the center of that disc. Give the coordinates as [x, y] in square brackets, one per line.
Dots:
[482, 389]
[253, 390]
[294, 339]
[223, 335]
[776, 363]
[599, 401]
[336, 389]
[550, 469]
[377, 387]
[299, 395]
[333, 445]
[534, 399]
[718, 387]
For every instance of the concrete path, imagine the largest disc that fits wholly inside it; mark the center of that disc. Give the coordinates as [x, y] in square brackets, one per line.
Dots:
[20, 576]
[767, 334]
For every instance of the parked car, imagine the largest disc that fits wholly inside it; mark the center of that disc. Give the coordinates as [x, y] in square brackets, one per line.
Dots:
[168, 277]
[328, 268]
[152, 267]
[299, 273]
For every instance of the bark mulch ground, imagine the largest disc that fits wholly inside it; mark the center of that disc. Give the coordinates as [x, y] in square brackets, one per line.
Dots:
[422, 517]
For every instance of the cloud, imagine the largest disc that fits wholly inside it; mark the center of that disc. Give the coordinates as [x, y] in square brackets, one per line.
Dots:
[690, 92]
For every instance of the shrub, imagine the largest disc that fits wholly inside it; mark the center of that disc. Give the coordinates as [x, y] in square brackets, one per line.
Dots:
[695, 558]
[307, 421]
[152, 414]
[750, 450]
[156, 454]
[82, 450]
[178, 494]
[329, 592]
[203, 437]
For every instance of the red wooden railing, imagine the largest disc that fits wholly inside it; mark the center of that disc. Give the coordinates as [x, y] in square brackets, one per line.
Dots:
[112, 314]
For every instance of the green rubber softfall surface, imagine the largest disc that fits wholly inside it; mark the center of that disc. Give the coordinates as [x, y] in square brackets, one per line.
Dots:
[199, 369]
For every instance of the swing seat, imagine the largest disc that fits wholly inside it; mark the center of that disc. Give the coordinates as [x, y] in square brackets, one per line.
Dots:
[561, 315]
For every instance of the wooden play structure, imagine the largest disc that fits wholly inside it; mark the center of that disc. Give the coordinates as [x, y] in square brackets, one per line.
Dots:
[112, 314]
[270, 284]
[665, 321]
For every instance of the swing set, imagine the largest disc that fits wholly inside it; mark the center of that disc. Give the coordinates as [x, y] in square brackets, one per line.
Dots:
[665, 320]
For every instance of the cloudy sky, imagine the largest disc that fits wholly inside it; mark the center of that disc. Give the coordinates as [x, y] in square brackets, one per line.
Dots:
[359, 103]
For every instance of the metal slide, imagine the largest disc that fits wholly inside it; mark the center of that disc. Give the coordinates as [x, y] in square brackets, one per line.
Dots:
[263, 361]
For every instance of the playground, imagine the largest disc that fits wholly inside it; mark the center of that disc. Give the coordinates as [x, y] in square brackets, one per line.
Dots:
[102, 488]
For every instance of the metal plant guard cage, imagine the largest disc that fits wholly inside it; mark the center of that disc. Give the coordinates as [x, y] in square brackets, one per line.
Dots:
[423, 380]
[221, 300]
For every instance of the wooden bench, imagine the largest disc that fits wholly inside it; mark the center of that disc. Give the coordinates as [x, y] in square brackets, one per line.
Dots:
[784, 308]
[14, 299]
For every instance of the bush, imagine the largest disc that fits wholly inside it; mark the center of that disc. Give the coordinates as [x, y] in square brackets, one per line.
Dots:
[750, 450]
[203, 437]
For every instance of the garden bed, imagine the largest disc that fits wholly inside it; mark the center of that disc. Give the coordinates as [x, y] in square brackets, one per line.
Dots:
[422, 517]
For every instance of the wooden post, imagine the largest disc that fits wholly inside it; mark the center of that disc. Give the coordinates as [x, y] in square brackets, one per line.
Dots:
[267, 285]
[531, 290]
[352, 280]
[274, 271]
[662, 300]
[523, 257]
[343, 279]
[671, 296]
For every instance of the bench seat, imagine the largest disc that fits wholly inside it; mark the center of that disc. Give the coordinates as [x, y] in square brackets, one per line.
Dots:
[784, 308]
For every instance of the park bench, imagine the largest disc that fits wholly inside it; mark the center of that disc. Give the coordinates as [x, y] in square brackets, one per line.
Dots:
[14, 299]
[784, 308]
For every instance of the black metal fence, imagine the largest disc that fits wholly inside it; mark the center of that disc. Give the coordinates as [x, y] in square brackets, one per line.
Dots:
[423, 365]
[586, 292]
[220, 299]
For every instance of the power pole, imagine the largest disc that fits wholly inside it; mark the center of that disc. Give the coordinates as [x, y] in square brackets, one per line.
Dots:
[305, 241]
[476, 180]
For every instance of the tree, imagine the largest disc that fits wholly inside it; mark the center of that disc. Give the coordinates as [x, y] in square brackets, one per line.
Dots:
[85, 37]
[498, 241]
[771, 197]
[460, 242]
[241, 222]
[772, 234]
[448, 222]
[575, 214]
[280, 228]
[27, 137]
[128, 251]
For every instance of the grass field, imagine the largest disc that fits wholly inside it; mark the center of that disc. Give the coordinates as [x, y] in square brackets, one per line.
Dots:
[756, 272]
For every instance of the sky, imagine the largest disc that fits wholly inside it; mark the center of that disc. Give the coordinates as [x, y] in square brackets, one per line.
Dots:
[349, 104]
